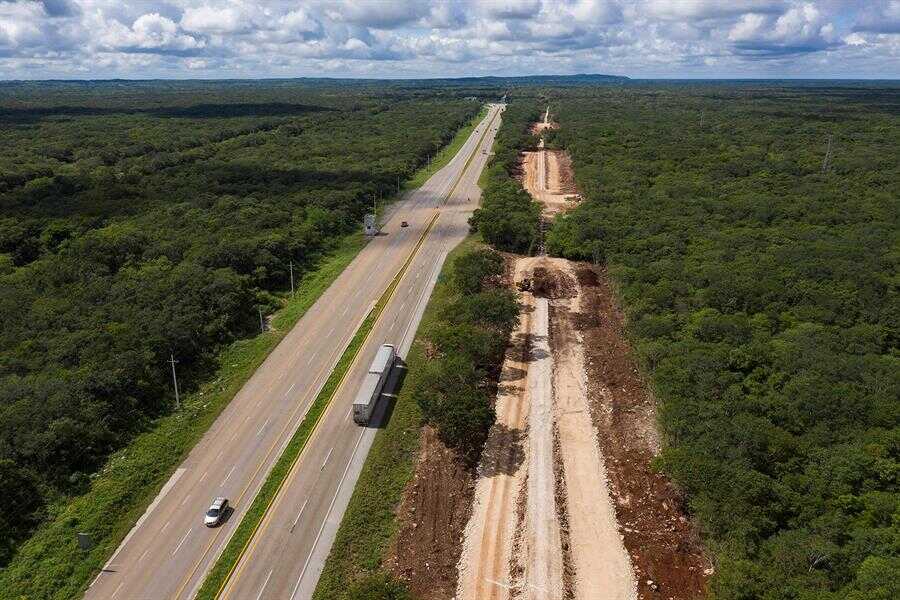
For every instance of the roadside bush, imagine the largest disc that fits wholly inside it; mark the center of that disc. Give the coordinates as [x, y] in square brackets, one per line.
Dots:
[380, 586]
[508, 218]
[473, 271]
[454, 389]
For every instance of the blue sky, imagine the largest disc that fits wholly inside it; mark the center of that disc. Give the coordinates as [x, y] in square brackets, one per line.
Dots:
[82, 39]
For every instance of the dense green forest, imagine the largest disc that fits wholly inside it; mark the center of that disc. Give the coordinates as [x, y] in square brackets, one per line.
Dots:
[508, 217]
[759, 273]
[148, 218]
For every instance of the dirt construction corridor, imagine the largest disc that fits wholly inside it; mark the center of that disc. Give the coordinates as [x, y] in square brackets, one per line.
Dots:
[543, 524]
[566, 503]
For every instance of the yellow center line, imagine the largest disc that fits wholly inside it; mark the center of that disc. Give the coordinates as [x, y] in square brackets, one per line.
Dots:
[253, 537]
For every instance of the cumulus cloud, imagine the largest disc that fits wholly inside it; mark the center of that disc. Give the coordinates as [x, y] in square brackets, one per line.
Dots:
[153, 33]
[710, 9]
[209, 19]
[701, 38]
[800, 29]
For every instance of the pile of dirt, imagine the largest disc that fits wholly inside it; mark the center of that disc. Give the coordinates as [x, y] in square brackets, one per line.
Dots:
[432, 515]
[668, 559]
[540, 126]
[552, 284]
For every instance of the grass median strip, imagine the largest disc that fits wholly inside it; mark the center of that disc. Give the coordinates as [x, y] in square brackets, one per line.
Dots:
[221, 572]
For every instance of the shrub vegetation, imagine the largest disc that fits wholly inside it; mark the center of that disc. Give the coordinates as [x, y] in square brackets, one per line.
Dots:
[761, 293]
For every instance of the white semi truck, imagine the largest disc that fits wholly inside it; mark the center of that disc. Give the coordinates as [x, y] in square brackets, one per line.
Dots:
[372, 384]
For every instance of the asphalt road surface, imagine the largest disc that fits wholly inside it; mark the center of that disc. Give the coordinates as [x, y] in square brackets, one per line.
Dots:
[169, 551]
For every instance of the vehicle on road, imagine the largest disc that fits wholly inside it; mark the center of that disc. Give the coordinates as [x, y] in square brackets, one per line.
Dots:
[373, 384]
[404, 224]
[216, 512]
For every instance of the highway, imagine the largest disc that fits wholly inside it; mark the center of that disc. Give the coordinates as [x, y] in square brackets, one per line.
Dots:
[169, 551]
[286, 557]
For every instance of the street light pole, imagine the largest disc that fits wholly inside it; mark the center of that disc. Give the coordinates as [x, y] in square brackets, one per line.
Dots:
[172, 362]
[292, 278]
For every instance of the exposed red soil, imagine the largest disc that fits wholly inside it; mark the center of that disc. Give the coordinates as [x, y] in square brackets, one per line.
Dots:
[432, 515]
[666, 553]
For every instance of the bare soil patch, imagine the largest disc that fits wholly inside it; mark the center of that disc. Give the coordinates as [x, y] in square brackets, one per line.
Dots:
[432, 515]
[666, 554]
[541, 126]
[547, 175]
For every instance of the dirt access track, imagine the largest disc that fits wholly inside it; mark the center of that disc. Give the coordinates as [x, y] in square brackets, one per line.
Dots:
[547, 175]
[543, 525]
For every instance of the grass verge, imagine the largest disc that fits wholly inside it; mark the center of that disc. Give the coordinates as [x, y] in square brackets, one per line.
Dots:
[49, 564]
[221, 571]
[446, 153]
[369, 522]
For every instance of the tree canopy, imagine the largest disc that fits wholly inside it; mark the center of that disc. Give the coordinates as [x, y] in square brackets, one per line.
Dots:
[760, 284]
[139, 220]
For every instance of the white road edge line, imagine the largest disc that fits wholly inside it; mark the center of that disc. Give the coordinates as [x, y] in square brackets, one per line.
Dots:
[162, 494]
[327, 513]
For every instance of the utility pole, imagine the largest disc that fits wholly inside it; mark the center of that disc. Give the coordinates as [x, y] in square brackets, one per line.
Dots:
[262, 325]
[172, 362]
[291, 266]
[827, 160]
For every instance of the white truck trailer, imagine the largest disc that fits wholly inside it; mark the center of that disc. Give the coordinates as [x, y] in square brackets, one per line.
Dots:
[372, 384]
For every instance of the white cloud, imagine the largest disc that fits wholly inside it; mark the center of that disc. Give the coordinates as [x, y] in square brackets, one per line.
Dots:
[800, 29]
[675, 38]
[709, 9]
[511, 9]
[880, 17]
[209, 19]
[150, 32]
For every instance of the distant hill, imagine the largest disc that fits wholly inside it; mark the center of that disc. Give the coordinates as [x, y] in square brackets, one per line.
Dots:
[580, 79]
